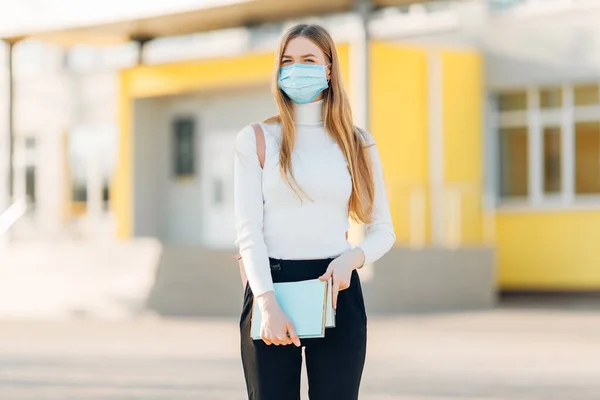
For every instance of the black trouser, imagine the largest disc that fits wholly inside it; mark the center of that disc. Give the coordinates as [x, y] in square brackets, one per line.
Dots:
[334, 363]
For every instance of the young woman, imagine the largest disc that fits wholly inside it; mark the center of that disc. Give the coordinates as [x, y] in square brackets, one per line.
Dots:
[292, 215]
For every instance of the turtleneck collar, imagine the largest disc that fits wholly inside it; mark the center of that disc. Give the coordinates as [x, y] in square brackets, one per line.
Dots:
[310, 114]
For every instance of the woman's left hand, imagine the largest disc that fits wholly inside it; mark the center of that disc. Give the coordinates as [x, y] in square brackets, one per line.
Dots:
[340, 270]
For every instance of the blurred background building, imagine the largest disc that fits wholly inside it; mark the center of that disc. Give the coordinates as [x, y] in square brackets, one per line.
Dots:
[121, 117]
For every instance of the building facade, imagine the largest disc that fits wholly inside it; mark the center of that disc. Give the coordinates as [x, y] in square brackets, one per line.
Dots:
[488, 128]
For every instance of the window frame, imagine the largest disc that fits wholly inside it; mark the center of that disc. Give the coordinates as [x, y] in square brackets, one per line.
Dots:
[536, 119]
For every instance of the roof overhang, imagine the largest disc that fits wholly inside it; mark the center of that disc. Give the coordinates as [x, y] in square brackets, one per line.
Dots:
[211, 16]
[555, 34]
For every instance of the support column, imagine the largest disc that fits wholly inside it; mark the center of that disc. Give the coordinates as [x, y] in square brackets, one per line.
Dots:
[8, 169]
[359, 94]
[141, 41]
[54, 193]
[11, 122]
[491, 174]
[536, 147]
[436, 146]
[51, 202]
[359, 65]
[7, 151]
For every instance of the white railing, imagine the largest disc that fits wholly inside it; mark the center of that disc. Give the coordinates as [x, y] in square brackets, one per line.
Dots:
[467, 215]
[12, 215]
[417, 217]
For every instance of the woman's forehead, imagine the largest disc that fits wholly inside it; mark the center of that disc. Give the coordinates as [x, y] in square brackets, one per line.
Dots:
[301, 46]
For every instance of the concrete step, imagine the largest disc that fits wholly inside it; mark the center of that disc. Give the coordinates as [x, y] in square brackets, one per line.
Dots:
[124, 279]
[108, 279]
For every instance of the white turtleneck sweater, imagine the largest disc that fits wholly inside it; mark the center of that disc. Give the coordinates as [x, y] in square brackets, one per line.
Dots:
[271, 221]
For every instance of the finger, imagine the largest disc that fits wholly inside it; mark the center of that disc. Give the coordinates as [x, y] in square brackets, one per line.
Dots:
[266, 340]
[293, 335]
[327, 273]
[335, 290]
[344, 286]
[288, 339]
[282, 340]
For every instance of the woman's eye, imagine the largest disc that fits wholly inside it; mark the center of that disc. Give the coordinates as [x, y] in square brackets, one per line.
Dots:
[309, 61]
[285, 62]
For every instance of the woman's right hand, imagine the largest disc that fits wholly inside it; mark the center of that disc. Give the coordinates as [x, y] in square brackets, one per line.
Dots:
[277, 328]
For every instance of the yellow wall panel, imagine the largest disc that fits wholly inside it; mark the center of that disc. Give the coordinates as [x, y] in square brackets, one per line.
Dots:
[549, 250]
[121, 193]
[463, 138]
[398, 121]
[167, 79]
[343, 51]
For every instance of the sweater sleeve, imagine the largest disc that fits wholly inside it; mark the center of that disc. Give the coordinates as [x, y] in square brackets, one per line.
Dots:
[248, 204]
[379, 237]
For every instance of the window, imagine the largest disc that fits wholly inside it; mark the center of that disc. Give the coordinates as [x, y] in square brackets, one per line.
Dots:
[513, 101]
[30, 143]
[106, 195]
[514, 156]
[549, 152]
[587, 158]
[79, 192]
[552, 160]
[550, 98]
[587, 95]
[30, 150]
[218, 190]
[79, 196]
[184, 147]
[30, 184]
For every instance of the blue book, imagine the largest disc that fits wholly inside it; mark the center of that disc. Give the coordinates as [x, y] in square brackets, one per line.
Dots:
[307, 303]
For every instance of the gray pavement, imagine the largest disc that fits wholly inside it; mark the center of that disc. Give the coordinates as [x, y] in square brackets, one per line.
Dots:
[489, 355]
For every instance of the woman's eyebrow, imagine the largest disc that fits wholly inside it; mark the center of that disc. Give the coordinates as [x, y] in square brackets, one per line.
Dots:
[304, 56]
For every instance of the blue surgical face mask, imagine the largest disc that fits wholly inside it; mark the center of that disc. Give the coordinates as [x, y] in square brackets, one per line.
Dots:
[302, 82]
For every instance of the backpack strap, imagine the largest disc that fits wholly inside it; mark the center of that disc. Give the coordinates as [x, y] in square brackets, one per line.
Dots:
[260, 151]
[260, 143]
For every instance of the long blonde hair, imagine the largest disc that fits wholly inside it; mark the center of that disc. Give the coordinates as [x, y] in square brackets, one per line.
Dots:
[337, 118]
